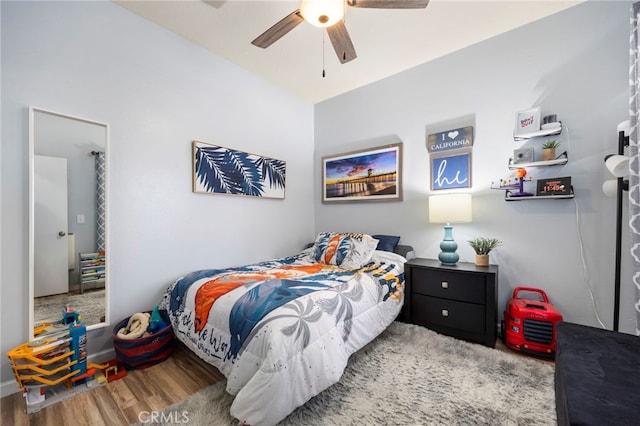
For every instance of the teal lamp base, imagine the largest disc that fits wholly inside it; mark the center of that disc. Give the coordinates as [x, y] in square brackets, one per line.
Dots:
[448, 245]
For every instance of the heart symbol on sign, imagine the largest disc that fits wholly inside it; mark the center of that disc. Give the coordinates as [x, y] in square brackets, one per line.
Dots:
[452, 135]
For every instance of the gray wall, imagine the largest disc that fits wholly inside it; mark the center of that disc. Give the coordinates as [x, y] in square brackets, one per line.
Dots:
[573, 64]
[158, 92]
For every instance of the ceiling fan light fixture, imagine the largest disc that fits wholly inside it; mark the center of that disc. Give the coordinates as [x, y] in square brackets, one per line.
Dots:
[322, 13]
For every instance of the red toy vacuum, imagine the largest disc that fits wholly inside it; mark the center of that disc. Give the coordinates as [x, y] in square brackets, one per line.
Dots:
[529, 326]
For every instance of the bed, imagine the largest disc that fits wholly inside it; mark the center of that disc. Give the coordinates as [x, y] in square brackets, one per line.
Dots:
[281, 331]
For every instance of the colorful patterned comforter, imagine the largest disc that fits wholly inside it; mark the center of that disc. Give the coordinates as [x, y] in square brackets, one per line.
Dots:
[282, 331]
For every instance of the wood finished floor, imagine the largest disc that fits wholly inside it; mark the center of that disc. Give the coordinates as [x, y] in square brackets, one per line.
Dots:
[121, 401]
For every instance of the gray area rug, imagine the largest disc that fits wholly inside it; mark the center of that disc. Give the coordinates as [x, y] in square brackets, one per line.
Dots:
[90, 306]
[411, 375]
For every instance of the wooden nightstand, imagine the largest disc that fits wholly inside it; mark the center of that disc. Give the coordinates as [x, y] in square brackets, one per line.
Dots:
[460, 301]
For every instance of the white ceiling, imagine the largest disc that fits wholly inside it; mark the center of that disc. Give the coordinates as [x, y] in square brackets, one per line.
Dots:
[386, 41]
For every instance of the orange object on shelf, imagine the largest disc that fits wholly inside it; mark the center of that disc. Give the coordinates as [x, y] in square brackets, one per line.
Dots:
[520, 173]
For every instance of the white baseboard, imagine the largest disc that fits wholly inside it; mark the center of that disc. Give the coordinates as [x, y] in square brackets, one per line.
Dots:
[10, 387]
[102, 357]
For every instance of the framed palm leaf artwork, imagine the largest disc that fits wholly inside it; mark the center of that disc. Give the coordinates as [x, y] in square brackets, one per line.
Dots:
[220, 170]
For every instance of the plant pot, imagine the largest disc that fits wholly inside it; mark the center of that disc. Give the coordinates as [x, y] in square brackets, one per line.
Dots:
[482, 260]
[548, 154]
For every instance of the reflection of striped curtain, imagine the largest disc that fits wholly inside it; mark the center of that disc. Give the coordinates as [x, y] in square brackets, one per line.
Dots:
[100, 201]
[634, 154]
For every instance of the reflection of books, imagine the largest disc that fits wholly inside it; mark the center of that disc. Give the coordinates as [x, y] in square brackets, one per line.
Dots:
[93, 270]
[92, 267]
[89, 256]
[93, 263]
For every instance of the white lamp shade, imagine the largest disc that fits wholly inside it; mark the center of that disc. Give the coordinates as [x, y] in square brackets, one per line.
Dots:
[450, 208]
[322, 13]
[618, 165]
[625, 127]
[610, 187]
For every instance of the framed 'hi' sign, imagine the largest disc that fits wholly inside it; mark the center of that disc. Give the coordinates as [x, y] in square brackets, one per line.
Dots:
[451, 172]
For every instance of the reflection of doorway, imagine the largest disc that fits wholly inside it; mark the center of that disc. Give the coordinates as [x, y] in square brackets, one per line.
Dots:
[51, 256]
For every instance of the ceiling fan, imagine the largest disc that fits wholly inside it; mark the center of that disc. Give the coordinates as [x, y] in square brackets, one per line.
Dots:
[329, 14]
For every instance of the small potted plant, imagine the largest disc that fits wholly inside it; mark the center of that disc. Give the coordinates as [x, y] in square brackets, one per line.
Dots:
[483, 246]
[549, 149]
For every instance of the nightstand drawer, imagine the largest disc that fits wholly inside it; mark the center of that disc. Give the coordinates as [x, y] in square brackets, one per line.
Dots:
[450, 314]
[449, 285]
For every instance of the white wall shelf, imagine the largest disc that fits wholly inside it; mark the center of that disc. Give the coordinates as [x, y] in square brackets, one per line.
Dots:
[514, 192]
[507, 196]
[562, 159]
[538, 134]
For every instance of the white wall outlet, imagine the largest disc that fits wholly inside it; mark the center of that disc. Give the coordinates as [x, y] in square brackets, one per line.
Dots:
[80, 218]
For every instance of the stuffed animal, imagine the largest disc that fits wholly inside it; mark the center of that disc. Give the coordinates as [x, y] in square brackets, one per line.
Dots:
[136, 327]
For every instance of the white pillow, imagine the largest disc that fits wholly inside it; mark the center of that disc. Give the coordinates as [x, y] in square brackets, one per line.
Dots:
[381, 256]
[347, 250]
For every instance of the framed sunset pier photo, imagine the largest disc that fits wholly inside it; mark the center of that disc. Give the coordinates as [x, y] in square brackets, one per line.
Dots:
[372, 174]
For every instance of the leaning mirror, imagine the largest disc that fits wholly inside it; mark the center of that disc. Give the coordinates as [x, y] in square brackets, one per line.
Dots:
[68, 253]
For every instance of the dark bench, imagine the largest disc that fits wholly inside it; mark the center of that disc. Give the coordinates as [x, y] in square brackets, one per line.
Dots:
[597, 376]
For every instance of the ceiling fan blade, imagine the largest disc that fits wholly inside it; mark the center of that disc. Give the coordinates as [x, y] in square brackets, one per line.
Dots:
[389, 4]
[281, 28]
[341, 42]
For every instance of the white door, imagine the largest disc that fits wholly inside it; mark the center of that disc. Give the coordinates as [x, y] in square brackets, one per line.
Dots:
[51, 256]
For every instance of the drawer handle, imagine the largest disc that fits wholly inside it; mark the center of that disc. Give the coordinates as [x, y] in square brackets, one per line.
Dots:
[445, 312]
[444, 284]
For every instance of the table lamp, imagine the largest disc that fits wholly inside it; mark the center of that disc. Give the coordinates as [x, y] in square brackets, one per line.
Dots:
[449, 208]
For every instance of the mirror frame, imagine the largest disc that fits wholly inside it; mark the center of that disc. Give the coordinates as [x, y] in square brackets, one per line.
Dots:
[32, 153]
